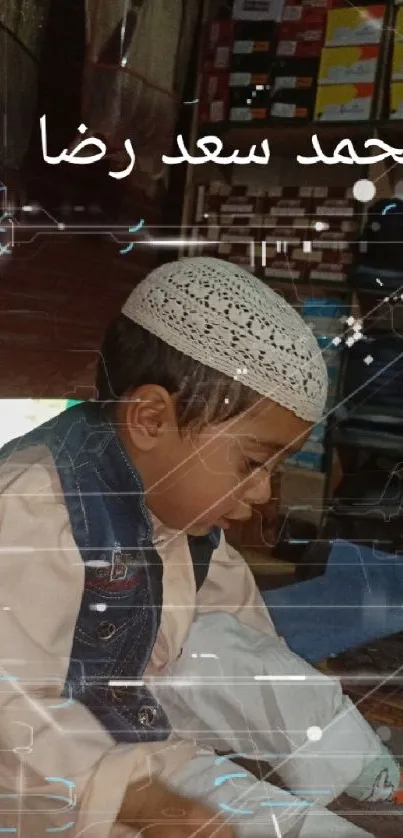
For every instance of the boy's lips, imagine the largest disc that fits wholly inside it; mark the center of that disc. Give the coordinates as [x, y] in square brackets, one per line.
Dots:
[225, 523]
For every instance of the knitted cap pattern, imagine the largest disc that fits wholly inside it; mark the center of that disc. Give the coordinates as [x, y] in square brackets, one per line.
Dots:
[229, 320]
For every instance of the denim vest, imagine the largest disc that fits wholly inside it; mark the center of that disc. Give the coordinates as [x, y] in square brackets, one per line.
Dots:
[121, 604]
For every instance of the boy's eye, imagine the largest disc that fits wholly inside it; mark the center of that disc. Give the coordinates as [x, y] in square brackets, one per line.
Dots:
[254, 465]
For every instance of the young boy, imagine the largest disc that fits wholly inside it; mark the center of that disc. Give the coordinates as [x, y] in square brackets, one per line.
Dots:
[135, 644]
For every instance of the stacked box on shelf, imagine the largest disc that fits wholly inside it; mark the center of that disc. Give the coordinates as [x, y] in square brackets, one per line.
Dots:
[231, 220]
[236, 64]
[300, 39]
[217, 46]
[349, 63]
[286, 220]
[336, 227]
[250, 78]
[222, 198]
[396, 82]
[308, 233]
[257, 10]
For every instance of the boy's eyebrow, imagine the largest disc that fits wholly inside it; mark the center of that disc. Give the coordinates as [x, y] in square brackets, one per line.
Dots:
[273, 447]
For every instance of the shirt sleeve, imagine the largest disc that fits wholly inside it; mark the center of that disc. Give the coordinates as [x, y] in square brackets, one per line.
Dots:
[58, 762]
[230, 587]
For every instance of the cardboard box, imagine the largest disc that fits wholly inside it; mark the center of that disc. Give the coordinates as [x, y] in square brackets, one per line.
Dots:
[327, 256]
[240, 253]
[305, 15]
[289, 5]
[293, 104]
[334, 206]
[287, 206]
[396, 100]
[233, 228]
[355, 25]
[258, 83]
[221, 197]
[295, 75]
[311, 257]
[282, 229]
[217, 45]
[328, 271]
[258, 10]
[397, 62]
[291, 31]
[344, 102]
[255, 63]
[214, 98]
[299, 48]
[335, 192]
[338, 238]
[398, 28]
[235, 221]
[346, 65]
[288, 192]
[252, 38]
[282, 268]
[247, 104]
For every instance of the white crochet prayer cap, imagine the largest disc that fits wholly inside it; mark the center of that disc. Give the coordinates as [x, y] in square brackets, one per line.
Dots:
[224, 317]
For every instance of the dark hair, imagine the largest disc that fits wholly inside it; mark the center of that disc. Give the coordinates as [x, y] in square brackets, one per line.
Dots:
[131, 356]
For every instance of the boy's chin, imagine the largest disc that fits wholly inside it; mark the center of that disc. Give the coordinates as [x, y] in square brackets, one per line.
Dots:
[199, 529]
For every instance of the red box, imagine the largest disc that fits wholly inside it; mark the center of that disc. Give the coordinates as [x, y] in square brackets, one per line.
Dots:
[299, 49]
[338, 237]
[304, 16]
[333, 207]
[217, 45]
[287, 207]
[332, 191]
[234, 221]
[238, 252]
[214, 98]
[283, 268]
[312, 4]
[289, 192]
[281, 234]
[314, 33]
[333, 271]
[318, 255]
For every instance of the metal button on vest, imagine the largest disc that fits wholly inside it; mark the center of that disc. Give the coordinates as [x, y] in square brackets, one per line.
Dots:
[146, 716]
[106, 630]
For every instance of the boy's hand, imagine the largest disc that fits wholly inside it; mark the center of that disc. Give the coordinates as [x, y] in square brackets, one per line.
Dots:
[157, 810]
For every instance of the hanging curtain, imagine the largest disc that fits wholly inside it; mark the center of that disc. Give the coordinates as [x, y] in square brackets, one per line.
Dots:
[132, 87]
[22, 25]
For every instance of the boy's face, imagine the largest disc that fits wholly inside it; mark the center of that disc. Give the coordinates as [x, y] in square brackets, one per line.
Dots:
[193, 483]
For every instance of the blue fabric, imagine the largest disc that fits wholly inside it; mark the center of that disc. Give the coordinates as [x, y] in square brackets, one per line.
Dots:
[359, 599]
[120, 610]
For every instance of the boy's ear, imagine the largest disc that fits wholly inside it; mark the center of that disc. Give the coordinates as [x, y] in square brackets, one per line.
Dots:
[149, 414]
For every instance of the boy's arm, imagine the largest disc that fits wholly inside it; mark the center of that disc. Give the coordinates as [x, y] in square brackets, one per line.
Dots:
[55, 753]
[230, 586]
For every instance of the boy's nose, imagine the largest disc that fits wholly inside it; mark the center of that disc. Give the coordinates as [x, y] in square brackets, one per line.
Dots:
[259, 491]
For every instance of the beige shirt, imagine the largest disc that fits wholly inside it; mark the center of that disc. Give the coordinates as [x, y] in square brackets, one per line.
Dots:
[50, 745]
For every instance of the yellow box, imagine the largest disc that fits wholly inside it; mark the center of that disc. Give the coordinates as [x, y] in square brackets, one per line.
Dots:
[396, 100]
[344, 102]
[344, 65]
[398, 28]
[397, 63]
[354, 26]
